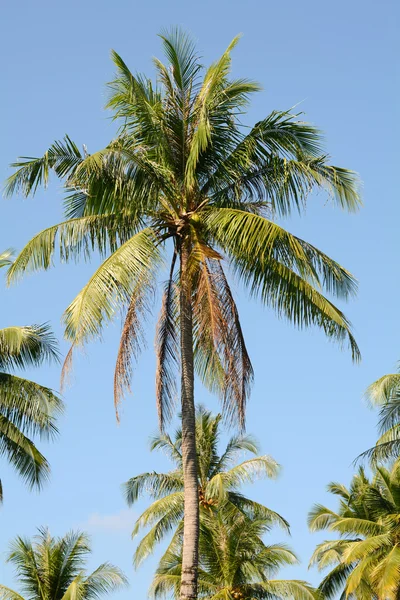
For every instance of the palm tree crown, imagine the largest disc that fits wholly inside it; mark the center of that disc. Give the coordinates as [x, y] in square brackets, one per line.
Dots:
[364, 562]
[220, 479]
[54, 568]
[26, 408]
[184, 169]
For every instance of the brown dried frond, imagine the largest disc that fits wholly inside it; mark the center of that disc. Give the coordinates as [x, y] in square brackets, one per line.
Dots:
[223, 356]
[131, 341]
[66, 369]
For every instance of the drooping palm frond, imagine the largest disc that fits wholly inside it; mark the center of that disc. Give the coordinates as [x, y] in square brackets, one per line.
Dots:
[75, 238]
[32, 407]
[22, 347]
[63, 157]
[22, 454]
[125, 272]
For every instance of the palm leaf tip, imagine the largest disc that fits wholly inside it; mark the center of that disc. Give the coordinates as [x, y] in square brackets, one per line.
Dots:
[6, 257]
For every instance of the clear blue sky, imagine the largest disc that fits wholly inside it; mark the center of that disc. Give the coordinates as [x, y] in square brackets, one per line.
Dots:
[340, 61]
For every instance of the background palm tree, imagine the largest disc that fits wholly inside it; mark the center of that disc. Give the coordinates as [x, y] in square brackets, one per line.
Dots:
[54, 568]
[220, 479]
[364, 562]
[27, 409]
[184, 170]
[235, 563]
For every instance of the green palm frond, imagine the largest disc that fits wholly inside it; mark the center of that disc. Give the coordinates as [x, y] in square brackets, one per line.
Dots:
[126, 271]
[334, 583]
[171, 504]
[252, 238]
[296, 589]
[382, 389]
[33, 408]
[104, 580]
[156, 485]
[8, 594]
[62, 156]
[22, 347]
[246, 472]
[22, 454]
[74, 238]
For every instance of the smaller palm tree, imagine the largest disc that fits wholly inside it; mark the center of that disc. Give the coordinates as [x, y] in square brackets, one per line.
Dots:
[364, 561]
[235, 563]
[219, 481]
[27, 409]
[53, 568]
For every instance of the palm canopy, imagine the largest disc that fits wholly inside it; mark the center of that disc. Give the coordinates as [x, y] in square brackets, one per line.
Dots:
[27, 408]
[54, 567]
[235, 563]
[184, 169]
[220, 478]
[364, 562]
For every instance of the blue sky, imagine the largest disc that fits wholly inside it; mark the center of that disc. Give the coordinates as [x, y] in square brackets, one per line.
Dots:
[306, 408]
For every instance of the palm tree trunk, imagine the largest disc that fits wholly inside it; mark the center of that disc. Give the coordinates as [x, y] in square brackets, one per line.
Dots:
[189, 456]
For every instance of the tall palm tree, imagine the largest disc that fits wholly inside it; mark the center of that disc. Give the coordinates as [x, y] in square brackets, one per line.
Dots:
[364, 562]
[220, 479]
[235, 563]
[54, 568]
[27, 409]
[184, 173]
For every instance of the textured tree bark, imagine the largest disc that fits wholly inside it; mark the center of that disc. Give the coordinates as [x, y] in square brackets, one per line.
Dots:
[190, 552]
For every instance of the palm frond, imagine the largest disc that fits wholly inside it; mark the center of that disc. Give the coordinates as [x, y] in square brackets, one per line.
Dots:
[22, 454]
[62, 156]
[23, 347]
[30, 406]
[74, 238]
[167, 351]
[156, 485]
[125, 272]
[6, 257]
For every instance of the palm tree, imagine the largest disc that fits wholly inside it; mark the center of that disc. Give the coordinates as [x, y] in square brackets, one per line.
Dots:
[184, 171]
[220, 479]
[235, 563]
[364, 562]
[54, 567]
[385, 394]
[27, 409]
